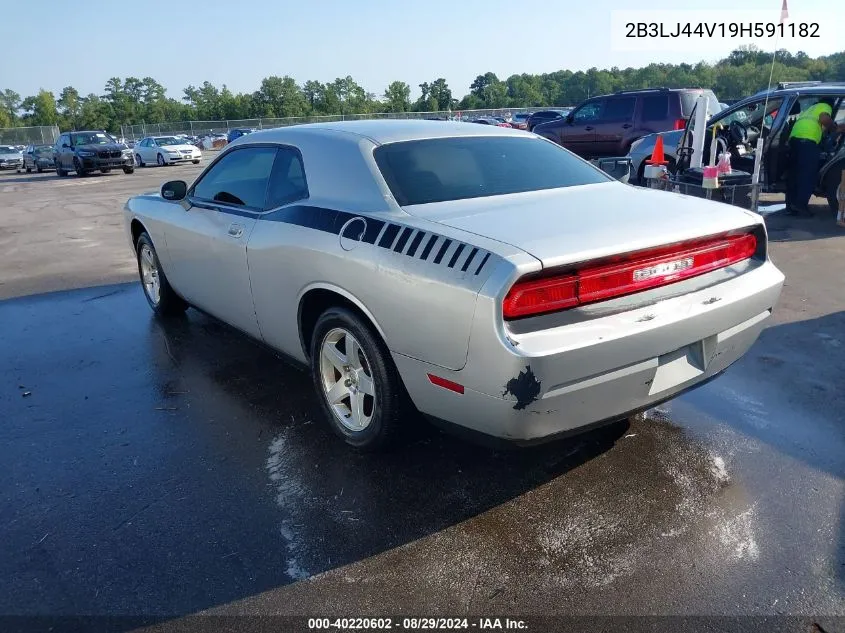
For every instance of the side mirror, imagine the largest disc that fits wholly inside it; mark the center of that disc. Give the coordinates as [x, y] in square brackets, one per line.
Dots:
[174, 190]
[65, 145]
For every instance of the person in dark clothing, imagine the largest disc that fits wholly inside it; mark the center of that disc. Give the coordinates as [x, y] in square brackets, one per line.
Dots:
[804, 152]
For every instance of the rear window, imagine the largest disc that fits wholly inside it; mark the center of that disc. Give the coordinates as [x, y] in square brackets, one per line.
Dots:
[437, 170]
[688, 99]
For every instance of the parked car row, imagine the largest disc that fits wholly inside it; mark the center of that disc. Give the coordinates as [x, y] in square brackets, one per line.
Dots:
[86, 151]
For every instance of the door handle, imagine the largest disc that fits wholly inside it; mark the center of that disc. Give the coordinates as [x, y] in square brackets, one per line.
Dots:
[589, 128]
[236, 230]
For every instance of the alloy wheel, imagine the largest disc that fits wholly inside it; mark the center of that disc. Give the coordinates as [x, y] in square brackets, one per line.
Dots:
[347, 380]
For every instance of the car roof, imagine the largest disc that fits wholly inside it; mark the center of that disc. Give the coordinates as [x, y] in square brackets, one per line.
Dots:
[384, 131]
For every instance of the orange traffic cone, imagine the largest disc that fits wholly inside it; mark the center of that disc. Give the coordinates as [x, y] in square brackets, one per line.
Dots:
[657, 157]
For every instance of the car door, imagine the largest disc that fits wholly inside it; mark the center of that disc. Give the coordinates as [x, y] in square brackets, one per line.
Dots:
[207, 242]
[579, 134]
[58, 150]
[140, 149]
[150, 151]
[611, 128]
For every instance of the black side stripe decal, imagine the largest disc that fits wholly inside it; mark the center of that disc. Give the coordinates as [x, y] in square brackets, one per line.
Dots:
[428, 247]
[481, 265]
[403, 239]
[333, 220]
[439, 257]
[415, 243]
[389, 235]
[455, 256]
[373, 229]
[472, 254]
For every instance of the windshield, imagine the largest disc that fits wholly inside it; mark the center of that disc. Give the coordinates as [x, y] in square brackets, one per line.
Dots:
[92, 138]
[8, 149]
[752, 114]
[38, 151]
[169, 140]
[436, 170]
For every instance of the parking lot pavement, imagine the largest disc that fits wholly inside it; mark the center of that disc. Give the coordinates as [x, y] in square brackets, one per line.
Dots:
[75, 226]
[168, 468]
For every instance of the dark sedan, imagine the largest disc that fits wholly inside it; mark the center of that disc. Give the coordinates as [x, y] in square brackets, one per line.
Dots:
[543, 116]
[38, 157]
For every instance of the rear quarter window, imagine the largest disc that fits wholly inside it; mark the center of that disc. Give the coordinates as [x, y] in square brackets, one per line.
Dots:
[438, 170]
[655, 108]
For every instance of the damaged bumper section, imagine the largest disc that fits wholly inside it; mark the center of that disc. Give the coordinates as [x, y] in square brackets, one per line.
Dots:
[527, 386]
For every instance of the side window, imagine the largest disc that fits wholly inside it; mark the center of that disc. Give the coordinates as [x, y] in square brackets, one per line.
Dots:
[619, 109]
[238, 178]
[655, 108]
[589, 112]
[287, 182]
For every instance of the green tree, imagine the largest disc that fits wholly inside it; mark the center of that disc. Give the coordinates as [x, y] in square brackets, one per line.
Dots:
[70, 107]
[41, 109]
[10, 103]
[397, 97]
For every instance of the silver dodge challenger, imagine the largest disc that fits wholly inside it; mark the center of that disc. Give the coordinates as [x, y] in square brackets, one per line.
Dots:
[483, 276]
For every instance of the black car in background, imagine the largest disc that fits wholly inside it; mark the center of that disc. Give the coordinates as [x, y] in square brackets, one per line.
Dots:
[89, 150]
[37, 157]
[238, 132]
[543, 116]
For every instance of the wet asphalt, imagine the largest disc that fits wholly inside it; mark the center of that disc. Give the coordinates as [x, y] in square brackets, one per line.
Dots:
[166, 468]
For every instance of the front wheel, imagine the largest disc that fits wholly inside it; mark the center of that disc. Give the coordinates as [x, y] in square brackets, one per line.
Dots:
[195, 162]
[157, 290]
[105, 170]
[360, 390]
[29, 170]
[160, 160]
[39, 169]
[61, 173]
[128, 170]
[77, 167]
[139, 162]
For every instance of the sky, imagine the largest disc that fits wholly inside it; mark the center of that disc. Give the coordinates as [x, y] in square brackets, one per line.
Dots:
[185, 42]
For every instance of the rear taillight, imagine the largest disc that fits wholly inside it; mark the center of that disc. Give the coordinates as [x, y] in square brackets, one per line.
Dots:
[680, 124]
[626, 274]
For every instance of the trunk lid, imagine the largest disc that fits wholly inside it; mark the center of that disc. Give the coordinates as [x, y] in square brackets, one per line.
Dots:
[576, 224]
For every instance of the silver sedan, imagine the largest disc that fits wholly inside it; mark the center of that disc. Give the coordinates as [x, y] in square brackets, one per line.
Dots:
[480, 275]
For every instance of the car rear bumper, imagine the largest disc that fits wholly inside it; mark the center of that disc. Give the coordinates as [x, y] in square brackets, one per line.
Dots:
[559, 380]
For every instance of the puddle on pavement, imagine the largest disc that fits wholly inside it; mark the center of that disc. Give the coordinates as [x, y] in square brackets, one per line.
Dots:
[576, 515]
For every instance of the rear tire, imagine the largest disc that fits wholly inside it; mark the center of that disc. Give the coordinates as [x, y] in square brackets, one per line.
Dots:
[157, 290]
[39, 169]
[29, 170]
[359, 388]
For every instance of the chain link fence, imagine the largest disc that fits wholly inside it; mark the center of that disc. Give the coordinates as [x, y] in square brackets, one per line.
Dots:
[200, 128]
[38, 134]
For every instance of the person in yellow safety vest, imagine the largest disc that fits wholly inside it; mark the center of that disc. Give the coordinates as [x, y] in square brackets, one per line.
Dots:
[804, 154]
